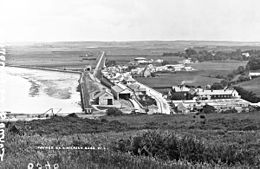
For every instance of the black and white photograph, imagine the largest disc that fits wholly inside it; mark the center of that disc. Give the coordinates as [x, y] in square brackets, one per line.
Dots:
[129, 84]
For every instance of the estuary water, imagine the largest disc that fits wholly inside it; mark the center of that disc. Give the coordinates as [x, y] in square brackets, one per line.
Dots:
[36, 91]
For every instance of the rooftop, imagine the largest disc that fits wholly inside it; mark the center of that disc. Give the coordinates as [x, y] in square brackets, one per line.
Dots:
[216, 92]
[140, 58]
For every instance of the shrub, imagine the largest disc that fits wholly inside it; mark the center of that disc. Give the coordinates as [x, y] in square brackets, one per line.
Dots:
[229, 111]
[168, 146]
[207, 109]
[114, 112]
[247, 95]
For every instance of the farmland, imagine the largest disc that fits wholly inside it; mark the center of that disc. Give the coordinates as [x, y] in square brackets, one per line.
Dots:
[204, 74]
[196, 78]
[219, 67]
[58, 54]
[252, 85]
[68, 55]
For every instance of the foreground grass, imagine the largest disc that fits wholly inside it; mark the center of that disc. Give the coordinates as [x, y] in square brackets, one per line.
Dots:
[22, 145]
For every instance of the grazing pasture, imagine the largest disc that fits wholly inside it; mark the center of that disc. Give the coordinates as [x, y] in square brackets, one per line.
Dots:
[218, 67]
[252, 85]
[195, 78]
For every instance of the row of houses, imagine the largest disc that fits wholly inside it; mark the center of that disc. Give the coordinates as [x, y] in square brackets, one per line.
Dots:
[122, 84]
[205, 94]
[187, 106]
[142, 60]
[220, 99]
[149, 69]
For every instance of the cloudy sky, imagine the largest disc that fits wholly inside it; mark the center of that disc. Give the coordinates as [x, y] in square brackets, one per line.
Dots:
[122, 20]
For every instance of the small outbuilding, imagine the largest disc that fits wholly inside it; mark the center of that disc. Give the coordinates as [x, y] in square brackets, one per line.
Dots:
[137, 89]
[121, 91]
[103, 98]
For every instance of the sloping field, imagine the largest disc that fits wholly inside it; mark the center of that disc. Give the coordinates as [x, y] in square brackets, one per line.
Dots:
[195, 78]
[252, 85]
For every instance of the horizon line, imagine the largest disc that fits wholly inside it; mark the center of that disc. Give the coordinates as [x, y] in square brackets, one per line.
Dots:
[120, 41]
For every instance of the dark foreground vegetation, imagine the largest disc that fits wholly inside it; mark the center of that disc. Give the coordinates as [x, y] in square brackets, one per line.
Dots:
[136, 141]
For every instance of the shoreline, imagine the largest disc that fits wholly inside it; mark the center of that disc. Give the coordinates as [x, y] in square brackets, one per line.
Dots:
[44, 68]
[57, 103]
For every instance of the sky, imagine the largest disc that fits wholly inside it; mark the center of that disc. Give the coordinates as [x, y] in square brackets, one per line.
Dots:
[129, 20]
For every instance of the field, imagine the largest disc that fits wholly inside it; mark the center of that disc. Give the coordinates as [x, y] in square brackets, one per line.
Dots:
[204, 75]
[46, 56]
[219, 67]
[252, 85]
[236, 136]
[196, 78]
[67, 54]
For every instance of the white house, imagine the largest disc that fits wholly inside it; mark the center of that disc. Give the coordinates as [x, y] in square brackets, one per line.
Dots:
[218, 94]
[254, 74]
[177, 67]
[246, 54]
[103, 98]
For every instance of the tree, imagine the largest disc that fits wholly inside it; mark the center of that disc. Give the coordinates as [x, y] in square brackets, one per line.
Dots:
[253, 63]
[243, 78]
[190, 52]
[240, 70]
[247, 95]
[207, 109]
[165, 62]
[217, 86]
[110, 63]
[224, 83]
[114, 112]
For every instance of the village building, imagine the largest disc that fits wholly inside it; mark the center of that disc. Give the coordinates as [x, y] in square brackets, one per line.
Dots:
[187, 61]
[182, 108]
[176, 67]
[180, 92]
[121, 91]
[254, 74]
[189, 68]
[246, 54]
[103, 98]
[218, 94]
[180, 88]
[159, 61]
[149, 69]
[137, 89]
[139, 59]
[129, 80]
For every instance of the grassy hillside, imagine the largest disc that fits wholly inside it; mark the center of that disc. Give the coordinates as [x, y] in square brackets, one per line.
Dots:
[238, 133]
